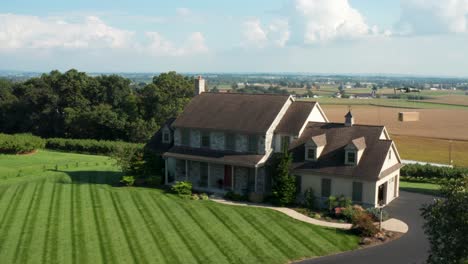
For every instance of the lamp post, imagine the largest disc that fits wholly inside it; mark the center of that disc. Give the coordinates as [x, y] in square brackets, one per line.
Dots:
[381, 206]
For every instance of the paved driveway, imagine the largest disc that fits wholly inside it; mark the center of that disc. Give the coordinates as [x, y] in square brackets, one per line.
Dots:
[409, 249]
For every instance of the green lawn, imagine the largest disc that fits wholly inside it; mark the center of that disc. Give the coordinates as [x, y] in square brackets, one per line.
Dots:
[73, 215]
[420, 187]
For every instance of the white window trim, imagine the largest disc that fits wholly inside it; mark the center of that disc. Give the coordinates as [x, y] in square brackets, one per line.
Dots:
[307, 153]
[355, 157]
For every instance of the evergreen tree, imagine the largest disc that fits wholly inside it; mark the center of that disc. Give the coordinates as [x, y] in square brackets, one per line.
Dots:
[284, 183]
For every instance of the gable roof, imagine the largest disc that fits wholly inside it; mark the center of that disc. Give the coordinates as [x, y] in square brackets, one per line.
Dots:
[331, 161]
[295, 117]
[244, 113]
[156, 144]
[358, 143]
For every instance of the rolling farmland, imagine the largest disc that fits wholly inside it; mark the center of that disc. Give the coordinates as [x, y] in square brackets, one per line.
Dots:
[62, 209]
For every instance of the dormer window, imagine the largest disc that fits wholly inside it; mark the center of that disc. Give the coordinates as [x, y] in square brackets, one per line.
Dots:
[350, 157]
[166, 136]
[314, 147]
[311, 153]
[354, 151]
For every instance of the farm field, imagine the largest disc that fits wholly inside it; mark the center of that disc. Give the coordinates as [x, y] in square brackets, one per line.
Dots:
[74, 215]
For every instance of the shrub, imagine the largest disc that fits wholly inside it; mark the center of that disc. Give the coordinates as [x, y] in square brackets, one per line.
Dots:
[309, 198]
[363, 224]
[375, 213]
[182, 188]
[331, 202]
[344, 201]
[89, 146]
[128, 180]
[432, 172]
[204, 196]
[20, 143]
[194, 197]
[235, 196]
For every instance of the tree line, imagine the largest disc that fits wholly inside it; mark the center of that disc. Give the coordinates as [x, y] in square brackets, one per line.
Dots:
[76, 105]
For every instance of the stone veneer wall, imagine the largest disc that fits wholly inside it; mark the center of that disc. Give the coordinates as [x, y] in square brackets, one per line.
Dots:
[216, 173]
[241, 143]
[195, 139]
[217, 140]
[177, 137]
[194, 172]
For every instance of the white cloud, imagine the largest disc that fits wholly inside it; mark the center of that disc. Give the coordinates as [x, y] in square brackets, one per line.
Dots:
[260, 36]
[182, 11]
[433, 16]
[326, 20]
[159, 46]
[18, 31]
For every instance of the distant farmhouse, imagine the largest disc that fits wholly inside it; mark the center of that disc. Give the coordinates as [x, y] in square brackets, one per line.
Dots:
[223, 142]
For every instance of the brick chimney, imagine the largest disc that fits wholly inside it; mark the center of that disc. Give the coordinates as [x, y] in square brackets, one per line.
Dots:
[199, 85]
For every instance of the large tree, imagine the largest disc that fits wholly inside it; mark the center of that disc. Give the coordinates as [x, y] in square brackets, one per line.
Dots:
[447, 224]
[284, 183]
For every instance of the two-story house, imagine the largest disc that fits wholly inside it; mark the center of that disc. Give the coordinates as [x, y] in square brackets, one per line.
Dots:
[222, 141]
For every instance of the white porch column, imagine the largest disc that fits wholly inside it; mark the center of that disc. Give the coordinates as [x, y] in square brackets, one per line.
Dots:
[232, 178]
[166, 178]
[186, 170]
[256, 173]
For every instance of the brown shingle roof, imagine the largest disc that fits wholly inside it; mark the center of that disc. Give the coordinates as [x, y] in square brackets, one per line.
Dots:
[320, 140]
[244, 113]
[359, 143]
[222, 157]
[295, 117]
[331, 161]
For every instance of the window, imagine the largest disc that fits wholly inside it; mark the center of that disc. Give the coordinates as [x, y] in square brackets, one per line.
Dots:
[166, 137]
[357, 191]
[205, 139]
[351, 157]
[253, 143]
[390, 154]
[326, 187]
[185, 137]
[284, 143]
[311, 153]
[230, 142]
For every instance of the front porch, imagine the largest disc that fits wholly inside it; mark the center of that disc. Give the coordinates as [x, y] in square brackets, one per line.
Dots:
[217, 178]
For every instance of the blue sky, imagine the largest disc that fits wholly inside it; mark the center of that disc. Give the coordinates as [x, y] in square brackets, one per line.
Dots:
[423, 37]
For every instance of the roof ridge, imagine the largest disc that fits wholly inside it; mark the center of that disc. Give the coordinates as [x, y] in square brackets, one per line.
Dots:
[269, 94]
[337, 123]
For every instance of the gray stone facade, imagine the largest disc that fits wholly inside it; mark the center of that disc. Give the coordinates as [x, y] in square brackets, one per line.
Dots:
[241, 143]
[195, 139]
[217, 140]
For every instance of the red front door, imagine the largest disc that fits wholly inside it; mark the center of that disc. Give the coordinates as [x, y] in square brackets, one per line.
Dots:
[227, 177]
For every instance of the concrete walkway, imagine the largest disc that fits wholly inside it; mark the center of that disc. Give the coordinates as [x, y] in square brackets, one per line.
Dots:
[392, 224]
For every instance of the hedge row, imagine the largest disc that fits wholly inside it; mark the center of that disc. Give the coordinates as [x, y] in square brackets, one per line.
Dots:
[20, 143]
[89, 146]
[429, 171]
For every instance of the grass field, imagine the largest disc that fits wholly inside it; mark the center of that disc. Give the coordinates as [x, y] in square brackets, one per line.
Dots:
[73, 215]
[420, 187]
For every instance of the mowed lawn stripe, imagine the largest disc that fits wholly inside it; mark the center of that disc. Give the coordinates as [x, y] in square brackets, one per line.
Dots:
[126, 224]
[174, 240]
[6, 202]
[30, 223]
[114, 230]
[64, 230]
[79, 252]
[91, 230]
[238, 231]
[234, 250]
[9, 217]
[182, 229]
[208, 250]
[264, 220]
[152, 227]
[14, 224]
[51, 221]
[105, 242]
[38, 237]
